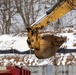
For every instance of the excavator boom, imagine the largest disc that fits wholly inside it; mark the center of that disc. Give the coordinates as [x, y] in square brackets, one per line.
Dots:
[47, 45]
[59, 9]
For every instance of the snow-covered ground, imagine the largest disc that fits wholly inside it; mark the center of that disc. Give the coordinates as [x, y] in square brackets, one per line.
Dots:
[19, 42]
[31, 60]
[13, 41]
[70, 33]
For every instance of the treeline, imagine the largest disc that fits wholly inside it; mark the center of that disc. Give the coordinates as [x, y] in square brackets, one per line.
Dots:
[17, 15]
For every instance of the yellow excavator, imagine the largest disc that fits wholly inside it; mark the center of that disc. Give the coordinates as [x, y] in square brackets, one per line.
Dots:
[45, 46]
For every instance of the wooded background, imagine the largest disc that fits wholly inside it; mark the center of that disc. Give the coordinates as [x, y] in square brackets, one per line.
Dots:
[17, 15]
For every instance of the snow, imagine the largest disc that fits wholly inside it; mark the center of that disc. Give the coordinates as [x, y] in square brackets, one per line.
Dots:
[70, 42]
[5, 62]
[70, 38]
[19, 42]
[15, 42]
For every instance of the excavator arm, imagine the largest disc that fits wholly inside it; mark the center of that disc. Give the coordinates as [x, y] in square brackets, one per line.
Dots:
[47, 45]
[60, 9]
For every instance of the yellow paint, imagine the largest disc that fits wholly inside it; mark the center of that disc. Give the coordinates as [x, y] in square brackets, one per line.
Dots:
[57, 13]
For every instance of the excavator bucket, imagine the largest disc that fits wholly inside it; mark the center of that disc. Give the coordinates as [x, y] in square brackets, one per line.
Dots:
[49, 44]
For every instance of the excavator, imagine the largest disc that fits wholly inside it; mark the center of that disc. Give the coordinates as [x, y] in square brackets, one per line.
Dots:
[45, 46]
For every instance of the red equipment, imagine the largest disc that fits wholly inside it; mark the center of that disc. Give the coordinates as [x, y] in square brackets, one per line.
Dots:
[14, 70]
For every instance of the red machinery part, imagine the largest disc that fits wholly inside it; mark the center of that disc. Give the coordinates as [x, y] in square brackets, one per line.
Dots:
[15, 70]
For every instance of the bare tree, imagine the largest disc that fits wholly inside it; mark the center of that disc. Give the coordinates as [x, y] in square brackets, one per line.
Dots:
[6, 12]
[27, 10]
